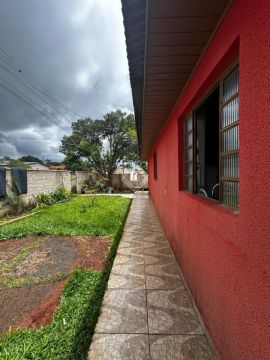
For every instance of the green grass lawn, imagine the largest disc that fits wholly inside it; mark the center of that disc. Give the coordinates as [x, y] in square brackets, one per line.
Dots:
[104, 218]
[69, 335]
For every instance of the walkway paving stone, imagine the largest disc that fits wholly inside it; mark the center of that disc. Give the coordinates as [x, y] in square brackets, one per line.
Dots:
[146, 311]
[123, 312]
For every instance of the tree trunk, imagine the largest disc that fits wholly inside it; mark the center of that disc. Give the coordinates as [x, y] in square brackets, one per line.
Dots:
[110, 176]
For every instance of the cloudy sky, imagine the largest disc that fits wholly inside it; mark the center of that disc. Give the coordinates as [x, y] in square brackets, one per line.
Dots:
[73, 49]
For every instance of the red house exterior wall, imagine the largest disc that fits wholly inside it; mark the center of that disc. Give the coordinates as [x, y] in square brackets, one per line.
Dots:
[225, 257]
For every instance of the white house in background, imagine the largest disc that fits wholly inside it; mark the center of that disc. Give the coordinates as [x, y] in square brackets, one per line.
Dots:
[135, 172]
[36, 165]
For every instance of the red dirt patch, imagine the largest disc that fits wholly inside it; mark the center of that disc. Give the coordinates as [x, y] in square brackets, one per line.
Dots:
[42, 313]
[29, 307]
[38, 258]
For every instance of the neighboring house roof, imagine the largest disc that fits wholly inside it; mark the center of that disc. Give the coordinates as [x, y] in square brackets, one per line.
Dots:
[165, 40]
[58, 167]
[35, 165]
[136, 170]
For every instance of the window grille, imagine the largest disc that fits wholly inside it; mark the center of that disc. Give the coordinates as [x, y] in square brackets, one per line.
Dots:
[229, 140]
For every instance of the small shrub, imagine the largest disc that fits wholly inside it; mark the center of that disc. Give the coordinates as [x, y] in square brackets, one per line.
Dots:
[58, 196]
[83, 208]
[92, 200]
[16, 204]
[87, 185]
[43, 199]
[61, 195]
[93, 186]
[100, 185]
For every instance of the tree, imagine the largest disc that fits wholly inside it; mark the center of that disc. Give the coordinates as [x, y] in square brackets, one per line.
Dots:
[106, 143]
[135, 156]
[30, 158]
[77, 165]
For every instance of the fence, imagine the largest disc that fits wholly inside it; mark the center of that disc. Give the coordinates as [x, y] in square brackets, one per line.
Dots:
[45, 181]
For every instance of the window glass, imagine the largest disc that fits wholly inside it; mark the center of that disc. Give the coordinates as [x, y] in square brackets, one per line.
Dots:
[230, 193]
[188, 184]
[188, 141]
[189, 124]
[188, 154]
[188, 168]
[231, 84]
[230, 112]
[230, 139]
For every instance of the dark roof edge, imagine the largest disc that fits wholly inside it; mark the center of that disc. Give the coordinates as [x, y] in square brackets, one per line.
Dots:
[218, 25]
[134, 14]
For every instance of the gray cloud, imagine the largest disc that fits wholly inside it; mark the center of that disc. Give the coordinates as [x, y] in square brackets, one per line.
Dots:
[76, 50]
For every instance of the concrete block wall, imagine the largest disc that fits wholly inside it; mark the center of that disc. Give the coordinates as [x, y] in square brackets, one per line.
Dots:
[40, 181]
[46, 181]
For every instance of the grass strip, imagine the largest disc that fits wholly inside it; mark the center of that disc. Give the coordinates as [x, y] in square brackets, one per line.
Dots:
[22, 254]
[11, 283]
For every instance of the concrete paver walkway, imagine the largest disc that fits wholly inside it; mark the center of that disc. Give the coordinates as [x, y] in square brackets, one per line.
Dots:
[146, 312]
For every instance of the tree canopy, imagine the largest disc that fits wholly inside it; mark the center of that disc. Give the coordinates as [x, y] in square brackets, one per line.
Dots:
[106, 143]
[30, 158]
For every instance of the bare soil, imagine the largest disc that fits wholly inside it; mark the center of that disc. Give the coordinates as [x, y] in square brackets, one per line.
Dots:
[40, 258]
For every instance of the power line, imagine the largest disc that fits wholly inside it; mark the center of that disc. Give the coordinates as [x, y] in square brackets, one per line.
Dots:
[16, 92]
[34, 89]
[14, 69]
[9, 60]
[29, 82]
[31, 87]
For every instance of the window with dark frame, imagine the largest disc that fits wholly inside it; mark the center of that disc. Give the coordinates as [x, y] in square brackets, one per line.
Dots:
[155, 167]
[229, 139]
[211, 144]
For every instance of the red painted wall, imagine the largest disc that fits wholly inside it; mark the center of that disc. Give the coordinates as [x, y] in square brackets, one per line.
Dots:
[225, 257]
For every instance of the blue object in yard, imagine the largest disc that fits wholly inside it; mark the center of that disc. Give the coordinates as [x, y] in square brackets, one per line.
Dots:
[110, 190]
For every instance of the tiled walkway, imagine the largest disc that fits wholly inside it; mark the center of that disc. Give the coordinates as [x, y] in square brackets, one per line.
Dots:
[147, 313]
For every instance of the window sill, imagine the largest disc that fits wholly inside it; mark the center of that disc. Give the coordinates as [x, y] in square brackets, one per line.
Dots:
[211, 203]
